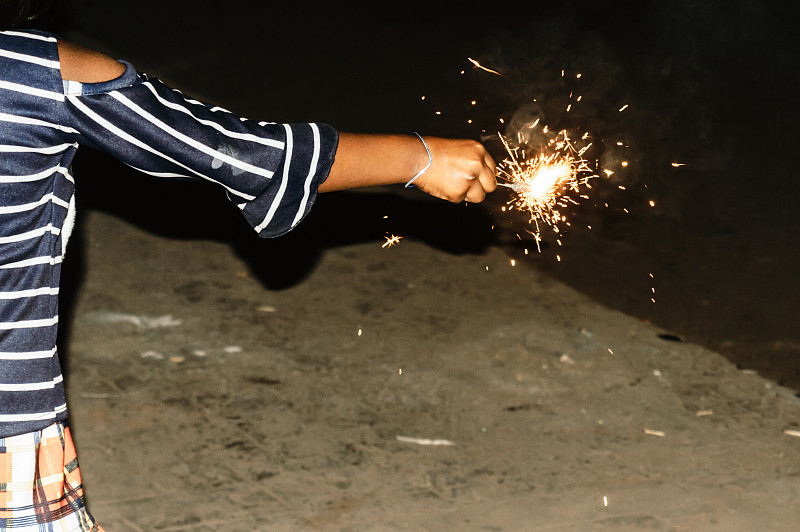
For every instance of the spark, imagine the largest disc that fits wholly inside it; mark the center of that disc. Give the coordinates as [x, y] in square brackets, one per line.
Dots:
[391, 240]
[478, 65]
[543, 182]
[676, 165]
[623, 107]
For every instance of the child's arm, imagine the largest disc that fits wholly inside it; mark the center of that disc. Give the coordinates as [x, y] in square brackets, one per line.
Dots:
[460, 169]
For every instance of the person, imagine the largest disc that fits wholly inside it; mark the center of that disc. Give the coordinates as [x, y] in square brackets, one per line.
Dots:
[56, 96]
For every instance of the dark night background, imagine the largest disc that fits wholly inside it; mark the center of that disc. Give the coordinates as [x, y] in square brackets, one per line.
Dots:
[711, 84]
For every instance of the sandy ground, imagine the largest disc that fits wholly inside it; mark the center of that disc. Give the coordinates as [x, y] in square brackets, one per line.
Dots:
[203, 401]
[221, 382]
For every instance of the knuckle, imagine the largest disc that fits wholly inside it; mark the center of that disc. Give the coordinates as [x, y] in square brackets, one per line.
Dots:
[477, 146]
[474, 167]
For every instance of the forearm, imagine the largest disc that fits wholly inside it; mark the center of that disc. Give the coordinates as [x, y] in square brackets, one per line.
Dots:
[460, 169]
[370, 160]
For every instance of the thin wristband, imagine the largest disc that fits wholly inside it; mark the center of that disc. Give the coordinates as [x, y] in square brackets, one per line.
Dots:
[430, 161]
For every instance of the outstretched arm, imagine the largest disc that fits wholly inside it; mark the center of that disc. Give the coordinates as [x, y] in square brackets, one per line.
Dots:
[460, 169]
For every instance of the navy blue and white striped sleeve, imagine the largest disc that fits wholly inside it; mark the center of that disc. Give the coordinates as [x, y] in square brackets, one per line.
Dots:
[271, 171]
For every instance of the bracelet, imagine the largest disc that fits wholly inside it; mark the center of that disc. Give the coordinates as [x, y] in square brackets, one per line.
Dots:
[430, 161]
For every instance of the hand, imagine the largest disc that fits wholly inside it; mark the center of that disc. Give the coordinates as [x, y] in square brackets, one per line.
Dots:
[460, 170]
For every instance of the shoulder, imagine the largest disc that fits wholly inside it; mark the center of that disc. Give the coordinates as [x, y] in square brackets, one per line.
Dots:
[86, 65]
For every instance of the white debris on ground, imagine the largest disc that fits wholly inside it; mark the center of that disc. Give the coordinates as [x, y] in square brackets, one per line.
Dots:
[142, 322]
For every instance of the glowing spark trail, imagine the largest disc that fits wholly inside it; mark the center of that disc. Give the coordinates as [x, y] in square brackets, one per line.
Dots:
[478, 65]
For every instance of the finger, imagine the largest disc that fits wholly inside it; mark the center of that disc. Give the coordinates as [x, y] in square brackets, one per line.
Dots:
[487, 177]
[490, 164]
[476, 192]
[488, 181]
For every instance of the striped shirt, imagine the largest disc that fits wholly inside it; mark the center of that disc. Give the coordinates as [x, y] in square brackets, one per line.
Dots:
[270, 171]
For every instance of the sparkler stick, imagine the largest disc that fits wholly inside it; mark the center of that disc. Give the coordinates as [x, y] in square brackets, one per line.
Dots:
[516, 187]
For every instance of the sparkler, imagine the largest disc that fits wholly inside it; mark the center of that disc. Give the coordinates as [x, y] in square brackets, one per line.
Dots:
[543, 183]
[553, 176]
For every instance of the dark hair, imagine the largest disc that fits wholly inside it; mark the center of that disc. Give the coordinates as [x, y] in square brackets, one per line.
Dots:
[20, 13]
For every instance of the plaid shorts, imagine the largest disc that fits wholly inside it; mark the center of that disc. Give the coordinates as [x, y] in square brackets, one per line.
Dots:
[40, 484]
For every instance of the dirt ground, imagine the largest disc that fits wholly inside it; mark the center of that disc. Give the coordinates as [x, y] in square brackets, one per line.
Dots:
[221, 382]
[203, 401]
